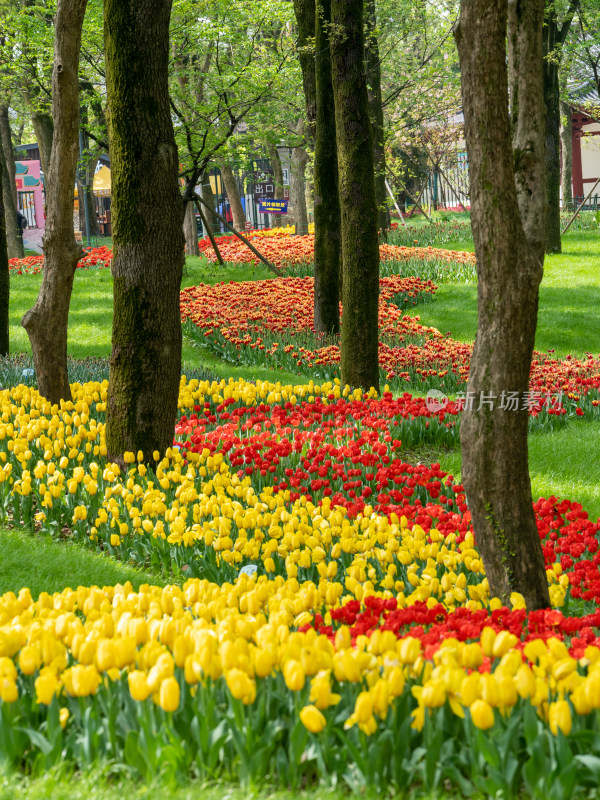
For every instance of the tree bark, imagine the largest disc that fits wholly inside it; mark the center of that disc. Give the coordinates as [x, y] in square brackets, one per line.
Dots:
[551, 98]
[43, 128]
[190, 231]
[328, 234]
[277, 182]
[508, 215]
[376, 111]
[305, 20]
[298, 184]
[46, 323]
[209, 197]
[12, 232]
[4, 277]
[360, 247]
[566, 147]
[233, 195]
[553, 38]
[9, 150]
[147, 213]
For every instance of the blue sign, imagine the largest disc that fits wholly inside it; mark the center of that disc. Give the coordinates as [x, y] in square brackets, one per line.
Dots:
[272, 206]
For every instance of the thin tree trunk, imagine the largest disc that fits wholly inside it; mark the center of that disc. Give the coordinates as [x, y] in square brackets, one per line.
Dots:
[46, 323]
[233, 195]
[209, 197]
[305, 20]
[190, 231]
[277, 182]
[9, 150]
[4, 277]
[14, 239]
[551, 97]
[145, 364]
[566, 142]
[508, 214]
[298, 184]
[376, 112]
[360, 247]
[328, 234]
[43, 128]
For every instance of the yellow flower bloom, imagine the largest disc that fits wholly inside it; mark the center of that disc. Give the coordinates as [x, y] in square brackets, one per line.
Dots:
[312, 719]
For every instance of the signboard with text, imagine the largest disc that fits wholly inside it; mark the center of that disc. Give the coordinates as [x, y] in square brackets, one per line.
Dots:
[272, 206]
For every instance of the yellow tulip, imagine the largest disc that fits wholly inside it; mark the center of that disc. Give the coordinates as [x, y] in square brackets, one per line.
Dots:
[312, 719]
[168, 698]
[294, 675]
[559, 717]
[482, 714]
[138, 685]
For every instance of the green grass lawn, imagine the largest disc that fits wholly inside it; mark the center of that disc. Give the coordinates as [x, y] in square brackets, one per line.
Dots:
[568, 321]
[42, 564]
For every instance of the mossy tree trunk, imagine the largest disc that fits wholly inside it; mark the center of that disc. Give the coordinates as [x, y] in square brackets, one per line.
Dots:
[360, 248]
[305, 20]
[566, 149]
[4, 278]
[46, 323]
[551, 98]
[147, 214]
[554, 33]
[373, 65]
[328, 234]
[233, 195]
[508, 216]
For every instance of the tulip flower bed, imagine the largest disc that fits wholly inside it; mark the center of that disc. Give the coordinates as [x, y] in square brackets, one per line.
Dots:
[270, 323]
[33, 265]
[294, 256]
[335, 622]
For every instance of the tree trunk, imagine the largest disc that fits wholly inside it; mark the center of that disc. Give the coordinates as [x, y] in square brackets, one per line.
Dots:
[508, 214]
[46, 323]
[43, 127]
[147, 213]
[277, 182]
[360, 247]
[305, 20]
[190, 230]
[9, 150]
[209, 197]
[566, 142]
[233, 195]
[376, 111]
[328, 235]
[551, 98]
[4, 277]
[298, 184]
[12, 231]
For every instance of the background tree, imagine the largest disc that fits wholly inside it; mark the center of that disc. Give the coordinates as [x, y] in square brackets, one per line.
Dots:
[147, 211]
[46, 323]
[555, 30]
[325, 177]
[360, 246]
[373, 67]
[508, 215]
[4, 280]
